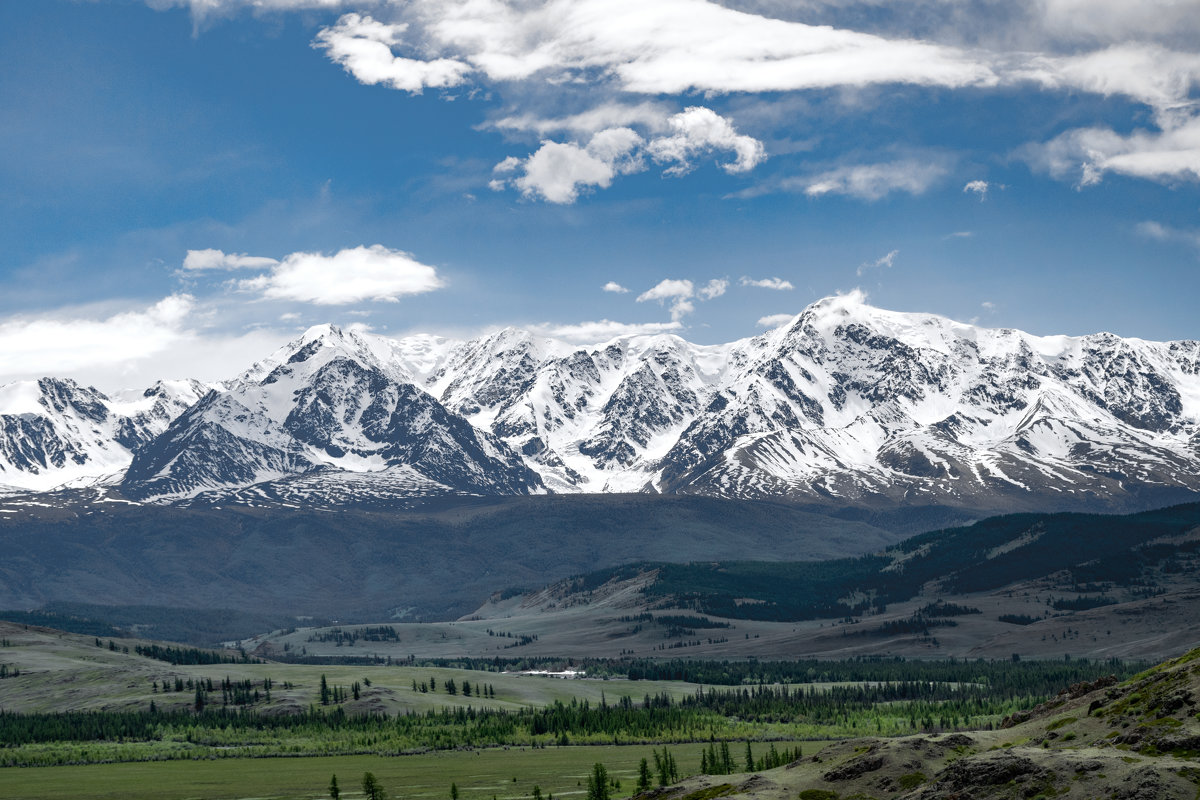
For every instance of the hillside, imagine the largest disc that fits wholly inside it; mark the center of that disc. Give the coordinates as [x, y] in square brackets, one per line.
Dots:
[1138, 740]
[1039, 586]
[372, 565]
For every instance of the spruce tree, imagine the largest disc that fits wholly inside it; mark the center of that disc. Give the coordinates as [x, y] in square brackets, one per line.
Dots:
[643, 776]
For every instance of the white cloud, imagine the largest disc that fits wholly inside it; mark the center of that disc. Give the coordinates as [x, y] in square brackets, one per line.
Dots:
[978, 187]
[698, 130]
[363, 47]
[648, 115]
[348, 276]
[603, 330]
[989, 305]
[668, 289]
[559, 171]
[1085, 155]
[614, 287]
[675, 47]
[875, 181]
[775, 320]
[714, 288]
[63, 344]
[778, 284]
[198, 260]
[1148, 73]
[883, 262]
[959, 235]
[679, 293]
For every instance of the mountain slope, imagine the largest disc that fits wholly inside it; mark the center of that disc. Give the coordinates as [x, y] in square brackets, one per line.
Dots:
[369, 564]
[328, 403]
[846, 405]
[55, 432]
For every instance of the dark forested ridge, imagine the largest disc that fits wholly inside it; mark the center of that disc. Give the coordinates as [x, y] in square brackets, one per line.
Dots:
[436, 563]
[1098, 552]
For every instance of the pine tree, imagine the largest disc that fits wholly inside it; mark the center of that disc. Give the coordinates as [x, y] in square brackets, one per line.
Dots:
[372, 788]
[325, 701]
[597, 788]
[334, 791]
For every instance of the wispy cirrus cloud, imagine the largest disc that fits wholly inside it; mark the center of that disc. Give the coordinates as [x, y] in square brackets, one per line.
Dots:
[210, 259]
[1167, 233]
[778, 284]
[603, 330]
[775, 320]
[883, 262]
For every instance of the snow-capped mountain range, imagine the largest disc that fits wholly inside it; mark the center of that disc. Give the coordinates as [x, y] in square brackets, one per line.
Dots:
[846, 404]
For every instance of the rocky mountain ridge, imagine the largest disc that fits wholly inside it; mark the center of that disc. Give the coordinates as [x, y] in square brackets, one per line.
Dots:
[846, 404]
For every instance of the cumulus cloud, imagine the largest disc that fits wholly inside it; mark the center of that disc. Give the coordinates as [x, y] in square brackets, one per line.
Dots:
[62, 344]
[699, 130]
[714, 288]
[615, 288]
[559, 172]
[363, 47]
[875, 181]
[978, 187]
[348, 276]
[883, 262]
[668, 288]
[778, 284]
[775, 320]
[678, 294]
[604, 330]
[201, 260]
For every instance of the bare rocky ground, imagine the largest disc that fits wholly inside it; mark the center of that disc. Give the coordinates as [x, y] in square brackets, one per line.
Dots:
[1135, 741]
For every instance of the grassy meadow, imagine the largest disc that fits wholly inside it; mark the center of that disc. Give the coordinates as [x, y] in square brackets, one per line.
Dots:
[479, 775]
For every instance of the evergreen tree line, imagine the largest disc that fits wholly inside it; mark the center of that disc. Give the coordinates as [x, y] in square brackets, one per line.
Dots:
[189, 656]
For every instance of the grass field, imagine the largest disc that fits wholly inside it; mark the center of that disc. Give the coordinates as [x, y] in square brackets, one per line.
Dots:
[479, 775]
[61, 671]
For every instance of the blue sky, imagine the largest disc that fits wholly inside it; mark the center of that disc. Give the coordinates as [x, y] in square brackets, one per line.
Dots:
[184, 185]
